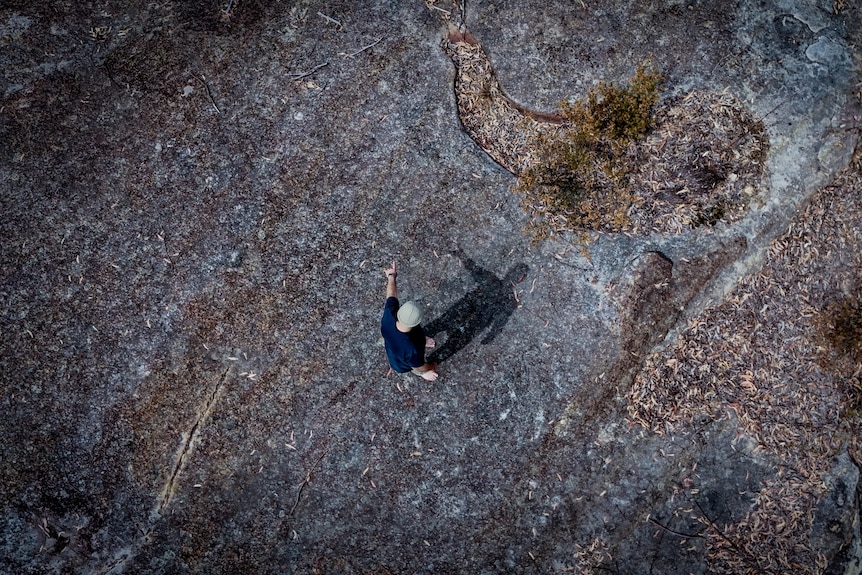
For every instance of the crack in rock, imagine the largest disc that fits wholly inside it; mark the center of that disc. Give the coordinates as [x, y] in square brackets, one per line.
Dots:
[122, 557]
[185, 450]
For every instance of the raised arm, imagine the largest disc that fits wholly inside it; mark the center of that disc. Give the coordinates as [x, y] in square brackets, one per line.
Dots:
[391, 283]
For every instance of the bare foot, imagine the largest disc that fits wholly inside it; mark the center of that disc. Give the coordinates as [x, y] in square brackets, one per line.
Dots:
[429, 375]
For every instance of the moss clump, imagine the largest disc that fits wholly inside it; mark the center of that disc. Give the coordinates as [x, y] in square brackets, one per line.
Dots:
[581, 173]
[618, 115]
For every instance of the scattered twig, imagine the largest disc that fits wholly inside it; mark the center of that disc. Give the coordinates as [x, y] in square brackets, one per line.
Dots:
[209, 92]
[338, 24]
[744, 554]
[769, 113]
[361, 50]
[310, 72]
[306, 481]
[227, 10]
[433, 7]
[721, 534]
[763, 117]
[677, 533]
[462, 13]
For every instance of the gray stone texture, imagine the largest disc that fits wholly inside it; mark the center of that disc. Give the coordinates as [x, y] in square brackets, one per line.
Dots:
[196, 211]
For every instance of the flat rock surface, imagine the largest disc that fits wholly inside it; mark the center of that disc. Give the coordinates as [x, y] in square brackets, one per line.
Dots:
[198, 201]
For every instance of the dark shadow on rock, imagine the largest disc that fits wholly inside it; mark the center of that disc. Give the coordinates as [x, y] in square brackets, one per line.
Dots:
[487, 306]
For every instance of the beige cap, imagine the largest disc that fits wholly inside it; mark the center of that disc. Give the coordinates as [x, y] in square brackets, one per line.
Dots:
[409, 314]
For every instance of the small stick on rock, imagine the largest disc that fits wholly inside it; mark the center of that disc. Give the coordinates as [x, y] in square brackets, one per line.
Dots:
[677, 533]
[310, 72]
[209, 92]
[338, 24]
[361, 50]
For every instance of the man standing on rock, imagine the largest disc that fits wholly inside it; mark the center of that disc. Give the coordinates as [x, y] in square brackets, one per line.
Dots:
[403, 336]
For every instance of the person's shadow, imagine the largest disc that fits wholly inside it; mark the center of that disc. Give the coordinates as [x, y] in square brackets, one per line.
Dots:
[489, 305]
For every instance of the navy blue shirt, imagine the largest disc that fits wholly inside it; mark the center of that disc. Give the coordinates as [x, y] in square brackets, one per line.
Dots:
[404, 350]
